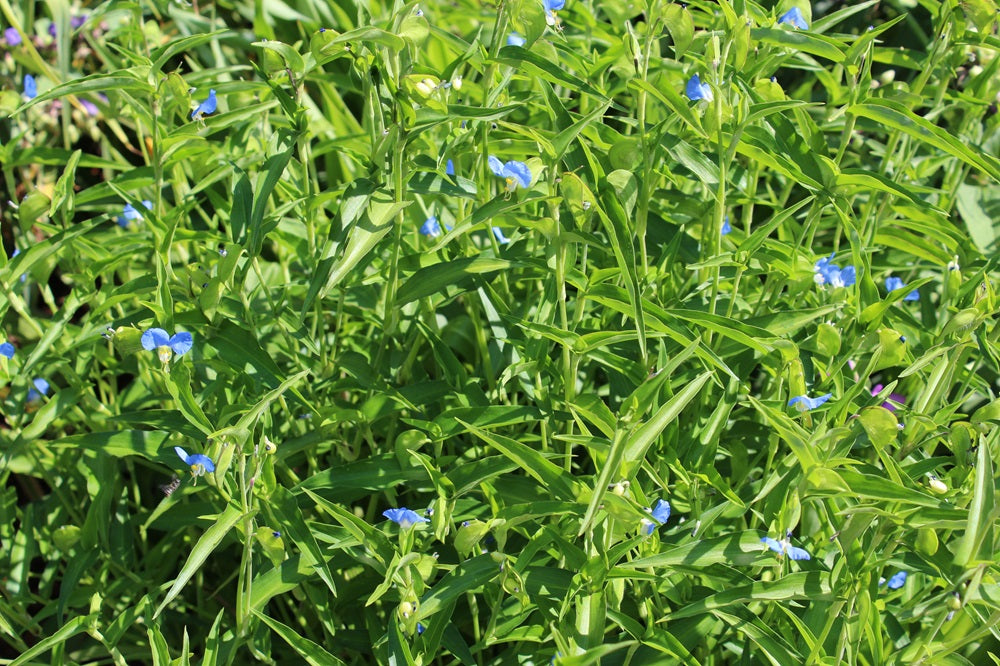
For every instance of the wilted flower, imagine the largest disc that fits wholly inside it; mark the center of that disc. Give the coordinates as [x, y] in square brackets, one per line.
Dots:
[896, 581]
[831, 274]
[696, 90]
[894, 283]
[30, 87]
[514, 39]
[431, 228]
[936, 484]
[130, 214]
[198, 462]
[515, 173]
[7, 349]
[12, 36]
[405, 518]
[498, 234]
[659, 514]
[165, 345]
[206, 107]
[894, 398]
[804, 403]
[785, 547]
[41, 388]
[794, 18]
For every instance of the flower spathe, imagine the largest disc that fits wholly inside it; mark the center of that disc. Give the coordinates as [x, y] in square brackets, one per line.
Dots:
[794, 17]
[894, 283]
[165, 345]
[514, 172]
[198, 462]
[804, 403]
[785, 547]
[696, 90]
[405, 518]
[659, 515]
[206, 107]
[831, 274]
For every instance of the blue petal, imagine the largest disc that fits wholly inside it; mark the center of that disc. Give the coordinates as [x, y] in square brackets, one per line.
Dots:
[449, 168]
[404, 517]
[12, 36]
[201, 459]
[897, 581]
[893, 283]
[514, 39]
[182, 454]
[7, 349]
[519, 171]
[553, 5]
[661, 512]
[806, 402]
[725, 226]
[773, 544]
[912, 296]
[848, 276]
[496, 166]
[206, 107]
[431, 228]
[41, 386]
[181, 343]
[693, 89]
[153, 338]
[30, 87]
[794, 17]
[498, 233]
[797, 553]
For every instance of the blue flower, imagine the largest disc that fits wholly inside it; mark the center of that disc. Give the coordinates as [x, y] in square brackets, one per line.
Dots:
[198, 462]
[449, 168]
[12, 36]
[498, 234]
[404, 517]
[894, 283]
[725, 226]
[129, 213]
[794, 18]
[165, 345]
[832, 274]
[431, 228]
[420, 628]
[514, 39]
[551, 7]
[516, 173]
[785, 547]
[896, 581]
[659, 514]
[696, 90]
[206, 107]
[30, 87]
[41, 388]
[7, 349]
[805, 403]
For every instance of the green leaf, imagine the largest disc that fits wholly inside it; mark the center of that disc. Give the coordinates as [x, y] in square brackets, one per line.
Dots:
[310, 651]
[431, 279]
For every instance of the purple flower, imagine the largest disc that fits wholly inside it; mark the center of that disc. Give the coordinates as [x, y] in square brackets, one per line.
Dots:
[165, 345]
[832, 274]
[89, 107]
[7, 349]
[12, 36]
[894, 283]
[405, 518]
[206, 107]
[198, 462]
[894, 398]
[804, 403]
[696, 90]
[659, 514]
[785, 547]
[794, 18]
[516, 173]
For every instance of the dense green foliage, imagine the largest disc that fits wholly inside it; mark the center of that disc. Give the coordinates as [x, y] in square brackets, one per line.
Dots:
[628, 324]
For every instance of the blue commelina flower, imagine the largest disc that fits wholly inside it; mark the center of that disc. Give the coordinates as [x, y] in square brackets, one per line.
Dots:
[130, 214]
[165, 345]
[405, 518]
[514, 39]
[498, 234]
[551, 7]
[832, 274]
[41, 388]
[659, 514]
[804, 403]
[894, 283]
[794, 18]
[30, 87]
[896, 581]
[7, 349]
[725, 226]
[12, 36]
[785, 547]
[206, 107]
[198, 462]
[431, 228]
[449, 168]
[696, 90]
[515, 173]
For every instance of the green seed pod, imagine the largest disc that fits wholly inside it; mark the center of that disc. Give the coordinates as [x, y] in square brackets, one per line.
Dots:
[271, 543]
[127, 340]
[927, 541]
[66, 537]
